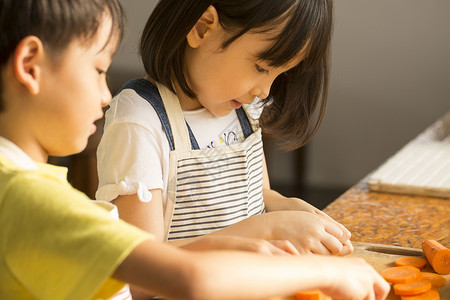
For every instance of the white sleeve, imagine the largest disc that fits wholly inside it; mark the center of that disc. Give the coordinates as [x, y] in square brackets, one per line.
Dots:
[133, 151]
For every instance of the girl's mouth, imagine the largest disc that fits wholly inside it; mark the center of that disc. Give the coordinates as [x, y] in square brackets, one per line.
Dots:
[235, 104]
[93, 128]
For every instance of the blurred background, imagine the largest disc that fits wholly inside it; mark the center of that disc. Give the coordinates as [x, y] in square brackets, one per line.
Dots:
[390, 79]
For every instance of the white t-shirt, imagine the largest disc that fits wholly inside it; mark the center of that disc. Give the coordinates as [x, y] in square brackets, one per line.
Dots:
[133, 154]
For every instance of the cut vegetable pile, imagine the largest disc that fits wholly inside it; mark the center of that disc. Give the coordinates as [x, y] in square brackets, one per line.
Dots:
[412, 284]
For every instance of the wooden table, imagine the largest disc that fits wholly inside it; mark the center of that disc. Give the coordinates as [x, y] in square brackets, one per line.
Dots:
[392, 219]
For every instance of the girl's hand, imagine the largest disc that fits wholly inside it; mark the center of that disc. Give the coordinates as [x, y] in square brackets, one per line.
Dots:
[275, 202]
[273, 247]
[302, 205]
[354, 278]
[309, 232]
[296, 204]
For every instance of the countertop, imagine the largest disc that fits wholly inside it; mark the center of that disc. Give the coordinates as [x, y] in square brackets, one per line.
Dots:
[392, 219]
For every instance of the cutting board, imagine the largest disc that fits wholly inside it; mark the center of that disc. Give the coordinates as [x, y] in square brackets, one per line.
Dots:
[417, 169]
[383, 256]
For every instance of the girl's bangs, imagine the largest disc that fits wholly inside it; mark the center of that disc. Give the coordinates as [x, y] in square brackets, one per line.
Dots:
[308, 23]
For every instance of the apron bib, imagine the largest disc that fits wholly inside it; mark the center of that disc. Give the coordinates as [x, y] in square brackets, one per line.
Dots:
[208, 189]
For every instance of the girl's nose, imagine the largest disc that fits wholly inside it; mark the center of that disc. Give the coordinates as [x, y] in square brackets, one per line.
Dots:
[262, 87]
[261, 92]
[106, 97]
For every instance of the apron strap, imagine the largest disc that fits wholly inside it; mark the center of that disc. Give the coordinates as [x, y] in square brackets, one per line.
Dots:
[245, 123]
[179, 127]
[148, 91]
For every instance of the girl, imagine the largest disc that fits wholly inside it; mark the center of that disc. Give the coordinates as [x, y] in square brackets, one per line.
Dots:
[196, 149]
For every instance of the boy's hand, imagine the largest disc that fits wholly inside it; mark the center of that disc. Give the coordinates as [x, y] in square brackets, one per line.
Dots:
[354, 278]
[309, 232]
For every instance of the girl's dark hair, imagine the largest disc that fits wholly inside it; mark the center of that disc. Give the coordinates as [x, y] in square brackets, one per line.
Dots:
[295, 95]
[55, 22]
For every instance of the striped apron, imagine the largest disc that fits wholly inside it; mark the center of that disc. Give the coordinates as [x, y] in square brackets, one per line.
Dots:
[208, 189]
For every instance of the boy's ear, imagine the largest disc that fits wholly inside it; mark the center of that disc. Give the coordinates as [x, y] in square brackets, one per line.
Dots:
[204, 26]
[27, 63]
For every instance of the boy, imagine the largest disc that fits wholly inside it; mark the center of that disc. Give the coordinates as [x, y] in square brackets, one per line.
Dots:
[54, 242]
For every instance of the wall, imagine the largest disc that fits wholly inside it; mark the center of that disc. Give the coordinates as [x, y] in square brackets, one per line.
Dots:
[390, 79]
[126, 64]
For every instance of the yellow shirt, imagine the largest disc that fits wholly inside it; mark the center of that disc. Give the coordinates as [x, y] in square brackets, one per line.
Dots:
[54, 242]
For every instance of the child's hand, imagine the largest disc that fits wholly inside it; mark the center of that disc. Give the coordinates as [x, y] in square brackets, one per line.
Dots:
[309, 232]
[276, 202]
[354, 278]
[302, 205]
[274, 247]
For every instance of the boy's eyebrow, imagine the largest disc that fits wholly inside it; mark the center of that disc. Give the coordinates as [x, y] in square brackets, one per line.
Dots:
[111, 45]
[111, 50]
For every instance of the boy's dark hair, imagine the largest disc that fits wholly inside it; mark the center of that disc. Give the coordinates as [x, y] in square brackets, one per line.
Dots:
[295, 94]
[55, 22]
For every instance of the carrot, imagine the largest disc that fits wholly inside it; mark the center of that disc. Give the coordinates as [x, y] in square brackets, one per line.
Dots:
[413, 288]
[403, 274]
[438, 256]
[429, 295]
[412, 261]
[436, 280]
[310, 295]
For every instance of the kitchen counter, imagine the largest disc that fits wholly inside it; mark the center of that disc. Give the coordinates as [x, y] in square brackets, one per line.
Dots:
[393, 219]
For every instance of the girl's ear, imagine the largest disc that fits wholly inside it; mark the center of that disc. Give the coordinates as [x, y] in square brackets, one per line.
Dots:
[207, 23]
[27, 63]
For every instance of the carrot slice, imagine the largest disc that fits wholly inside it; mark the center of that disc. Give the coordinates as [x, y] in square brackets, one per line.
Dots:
[438, 256]
[428, 295]
[412, 261]
[310, 295]
[403, 274]
[413, 288]
[436, 280]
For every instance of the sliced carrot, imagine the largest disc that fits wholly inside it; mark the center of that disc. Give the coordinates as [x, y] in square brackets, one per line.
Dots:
[310, 295]
[436, 280]
[428, 295]
[412, 261]
[413, 288]
[403, 274]
[438, 256]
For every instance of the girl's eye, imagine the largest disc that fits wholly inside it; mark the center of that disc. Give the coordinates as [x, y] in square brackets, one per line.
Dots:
[261, 70]
[100, 72]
